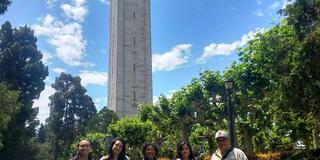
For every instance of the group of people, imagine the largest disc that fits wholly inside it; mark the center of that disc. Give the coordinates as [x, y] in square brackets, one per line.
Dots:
[117, 150]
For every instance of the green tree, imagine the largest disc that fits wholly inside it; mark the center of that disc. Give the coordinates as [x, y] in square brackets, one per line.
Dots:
[97, 142]
[4, 6]
[161, 115]
[250, 105]
[289, 63]
[199, 103]
[41, 135]
[134, 132]
[70, 110]
[21, 68]
[9, 105]
[101, 121]
[303, 15]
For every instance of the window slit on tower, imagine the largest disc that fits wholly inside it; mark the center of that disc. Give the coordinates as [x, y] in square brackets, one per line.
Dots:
[134, 41]
[134, 68]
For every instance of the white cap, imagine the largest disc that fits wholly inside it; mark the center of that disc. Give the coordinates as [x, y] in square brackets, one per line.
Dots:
[221, 133]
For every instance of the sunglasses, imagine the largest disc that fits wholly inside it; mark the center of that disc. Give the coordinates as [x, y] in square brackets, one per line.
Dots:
[221, 139]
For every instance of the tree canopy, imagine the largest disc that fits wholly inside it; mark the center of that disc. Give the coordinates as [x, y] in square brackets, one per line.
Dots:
[70, 110]
[22, 70]
[4, 4]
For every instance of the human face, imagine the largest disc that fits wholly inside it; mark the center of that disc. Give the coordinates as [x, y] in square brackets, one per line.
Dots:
[150, 152]
[84, 148]
[223, 144]
[185, 152]
[117, 147]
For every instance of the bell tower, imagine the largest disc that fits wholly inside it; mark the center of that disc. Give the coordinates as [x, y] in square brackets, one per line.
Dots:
[130, 70]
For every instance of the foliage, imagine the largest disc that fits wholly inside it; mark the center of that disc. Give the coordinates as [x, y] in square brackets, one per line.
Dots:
[9, 105]
[41, 136]
[97, 142]
[101, 121]
[200, 140]
[4, 4]
[135, 132]
[276, 96]
[276, 99]
[288, 63]
[303, 15]
[198, 102]
[70, 110]
[161, 116]
[22, 70]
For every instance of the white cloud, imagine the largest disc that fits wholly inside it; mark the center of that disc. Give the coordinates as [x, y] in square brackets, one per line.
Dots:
[76, 11]
[106, 2]
[258, 13]
[42, 103]
[59, 70]
[172, 59]
[46, 57]
[259, 2]
[227, 48]
[66, 38]
[50, 3]
[275, 6]
[93, 78]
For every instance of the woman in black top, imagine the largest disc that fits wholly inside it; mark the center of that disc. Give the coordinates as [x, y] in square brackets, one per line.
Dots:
[184, 151]
[150, 152]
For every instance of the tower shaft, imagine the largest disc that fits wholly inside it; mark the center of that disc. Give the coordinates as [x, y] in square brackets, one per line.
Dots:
[130, 70]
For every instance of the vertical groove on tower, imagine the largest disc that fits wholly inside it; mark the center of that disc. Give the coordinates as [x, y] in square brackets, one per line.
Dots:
[130, 70]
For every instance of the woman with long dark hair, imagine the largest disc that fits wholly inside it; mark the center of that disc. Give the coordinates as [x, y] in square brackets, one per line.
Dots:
[117, 150]
[150, 151]
[184, 151]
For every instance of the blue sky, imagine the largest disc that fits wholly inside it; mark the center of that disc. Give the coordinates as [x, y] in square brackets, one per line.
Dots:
[188, 36]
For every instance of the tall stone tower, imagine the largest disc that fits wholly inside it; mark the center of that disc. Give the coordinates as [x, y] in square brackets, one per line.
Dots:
[130, 70]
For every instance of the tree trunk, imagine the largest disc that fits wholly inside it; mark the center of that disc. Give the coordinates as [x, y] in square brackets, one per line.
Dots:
[315, 135]
[185, 132]
[55, 149]
[248, 140]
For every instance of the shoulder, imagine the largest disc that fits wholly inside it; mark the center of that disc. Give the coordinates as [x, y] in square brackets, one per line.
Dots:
[216, 155]
[75, 157]
[239, 153]
[104, 158]
[237, 150]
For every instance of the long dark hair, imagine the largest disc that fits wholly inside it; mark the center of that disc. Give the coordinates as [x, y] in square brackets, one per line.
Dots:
[122, 155]
[179, 149]
[144, 149]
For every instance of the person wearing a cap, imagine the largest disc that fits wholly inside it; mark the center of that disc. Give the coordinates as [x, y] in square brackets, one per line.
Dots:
[225, 151]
